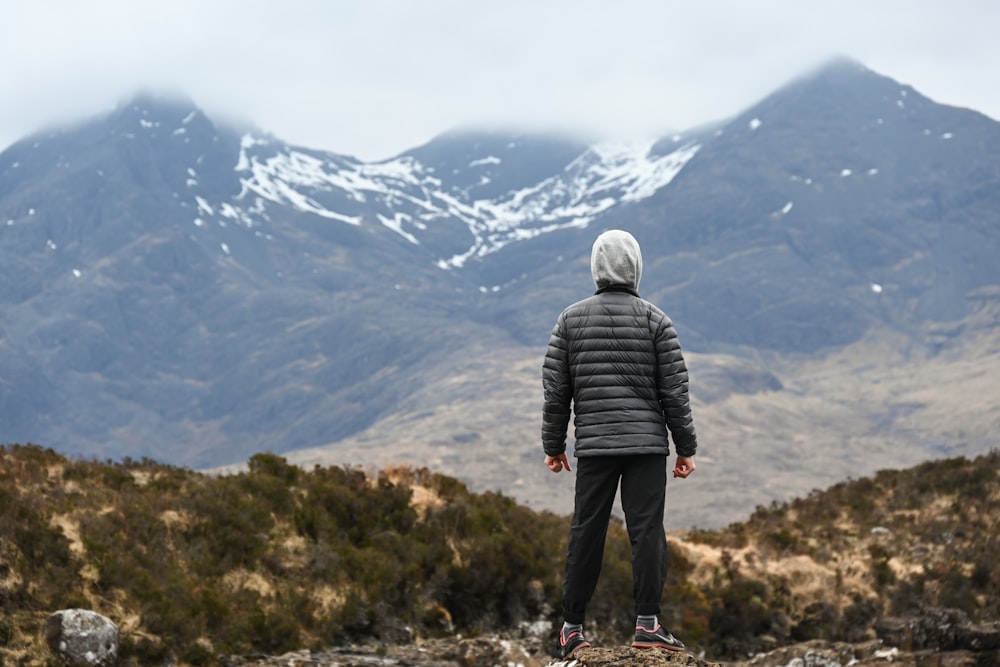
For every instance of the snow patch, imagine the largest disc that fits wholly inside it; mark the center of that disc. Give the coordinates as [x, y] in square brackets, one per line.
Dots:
[877, 288]
[236, 214]
[409, 198]
[204, 206]
[396, 224]
[786, 208]
[755, 123]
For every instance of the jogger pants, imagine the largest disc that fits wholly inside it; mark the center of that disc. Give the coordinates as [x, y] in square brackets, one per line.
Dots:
[643, 480]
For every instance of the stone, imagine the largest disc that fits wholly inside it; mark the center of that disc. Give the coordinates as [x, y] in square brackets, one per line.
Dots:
[82, 638]
[940, 630]
[982, 637]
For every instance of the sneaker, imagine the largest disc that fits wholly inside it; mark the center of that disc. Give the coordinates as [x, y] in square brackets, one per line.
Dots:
[658, 638]
[569, 644]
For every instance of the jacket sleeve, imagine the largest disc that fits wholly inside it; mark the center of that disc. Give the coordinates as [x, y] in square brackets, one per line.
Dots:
[558, 392]
[672, 384]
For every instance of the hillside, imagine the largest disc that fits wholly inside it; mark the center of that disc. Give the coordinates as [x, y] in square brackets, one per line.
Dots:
[183, 290]
[770, 427]
[276, 559]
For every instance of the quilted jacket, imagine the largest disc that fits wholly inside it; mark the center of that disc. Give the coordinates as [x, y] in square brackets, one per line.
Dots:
[614, 361]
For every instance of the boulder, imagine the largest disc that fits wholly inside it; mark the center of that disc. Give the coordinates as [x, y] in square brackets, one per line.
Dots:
[940, 630]
[82, 638]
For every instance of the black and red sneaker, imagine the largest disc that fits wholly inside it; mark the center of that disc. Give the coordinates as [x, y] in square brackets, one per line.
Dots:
[571, 642]
[658, 638]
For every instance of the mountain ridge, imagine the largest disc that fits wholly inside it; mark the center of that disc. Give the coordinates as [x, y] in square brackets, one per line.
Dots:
[184, 290]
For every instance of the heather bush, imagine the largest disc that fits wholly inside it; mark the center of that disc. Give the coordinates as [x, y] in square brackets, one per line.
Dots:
[277, 558]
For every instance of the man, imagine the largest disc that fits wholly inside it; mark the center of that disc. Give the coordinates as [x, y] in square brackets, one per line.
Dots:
[614, 357]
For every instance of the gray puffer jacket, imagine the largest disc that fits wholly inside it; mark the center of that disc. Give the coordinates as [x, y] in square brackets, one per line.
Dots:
[615, 358]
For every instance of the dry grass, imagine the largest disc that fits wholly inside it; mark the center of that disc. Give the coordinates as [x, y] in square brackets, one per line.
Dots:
[897, 541]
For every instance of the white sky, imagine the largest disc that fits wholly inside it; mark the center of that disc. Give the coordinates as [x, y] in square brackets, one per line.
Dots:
[373, 78]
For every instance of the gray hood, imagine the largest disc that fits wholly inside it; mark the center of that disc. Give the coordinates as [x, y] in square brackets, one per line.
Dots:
[616, 260]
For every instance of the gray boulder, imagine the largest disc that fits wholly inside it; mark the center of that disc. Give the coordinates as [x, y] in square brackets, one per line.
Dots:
[940, 630]
[82, 638]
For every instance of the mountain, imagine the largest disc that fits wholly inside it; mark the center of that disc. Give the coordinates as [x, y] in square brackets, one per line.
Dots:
[195, 293]
[844, 186]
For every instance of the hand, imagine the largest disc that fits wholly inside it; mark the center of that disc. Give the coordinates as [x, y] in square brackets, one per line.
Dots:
[557, 463]
[684, 466]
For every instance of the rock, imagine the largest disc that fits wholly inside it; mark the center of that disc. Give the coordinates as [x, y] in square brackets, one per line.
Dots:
[82, 638]
[437, 652]
[934, 628]
[634, 657]
[982, 637]
[943, 631]
[823, 653]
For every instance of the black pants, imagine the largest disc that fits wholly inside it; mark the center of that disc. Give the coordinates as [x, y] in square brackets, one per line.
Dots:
[643, 485]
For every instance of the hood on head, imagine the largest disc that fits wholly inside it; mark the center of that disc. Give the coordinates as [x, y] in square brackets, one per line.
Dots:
[616, 260]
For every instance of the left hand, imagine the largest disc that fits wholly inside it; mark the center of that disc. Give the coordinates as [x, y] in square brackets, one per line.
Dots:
[684, 466]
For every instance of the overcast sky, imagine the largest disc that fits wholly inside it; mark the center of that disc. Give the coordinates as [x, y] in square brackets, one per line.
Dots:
[373, 78]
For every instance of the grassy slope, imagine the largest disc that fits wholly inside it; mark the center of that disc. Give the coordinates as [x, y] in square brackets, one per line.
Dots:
[193, 567]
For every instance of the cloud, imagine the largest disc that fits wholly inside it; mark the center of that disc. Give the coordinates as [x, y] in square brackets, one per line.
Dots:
[376, 77]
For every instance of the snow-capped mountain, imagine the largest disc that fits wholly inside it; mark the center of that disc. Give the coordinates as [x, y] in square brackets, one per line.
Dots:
[184, 290]
[416, 200]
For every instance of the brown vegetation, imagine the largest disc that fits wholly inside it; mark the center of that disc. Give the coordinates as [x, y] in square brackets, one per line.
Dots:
[276, 558]
[830, 565]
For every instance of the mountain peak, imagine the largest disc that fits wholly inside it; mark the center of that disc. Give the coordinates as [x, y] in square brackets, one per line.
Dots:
[837, 75]
[839, 64]
[153, 109]
[840, 88]
[152, 100]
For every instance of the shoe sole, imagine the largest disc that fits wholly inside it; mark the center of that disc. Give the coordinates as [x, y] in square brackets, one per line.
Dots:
[667, 647]
[570, 654]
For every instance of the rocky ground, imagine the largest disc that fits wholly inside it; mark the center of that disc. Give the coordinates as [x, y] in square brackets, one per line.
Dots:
[478, 652]
[495, 652]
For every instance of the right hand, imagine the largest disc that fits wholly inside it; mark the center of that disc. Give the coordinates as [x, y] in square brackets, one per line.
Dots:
[557, 463]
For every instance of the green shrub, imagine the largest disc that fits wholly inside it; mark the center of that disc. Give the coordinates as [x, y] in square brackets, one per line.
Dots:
[174, 547]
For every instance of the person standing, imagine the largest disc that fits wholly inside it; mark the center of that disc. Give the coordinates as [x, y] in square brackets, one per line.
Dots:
[614, 360]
